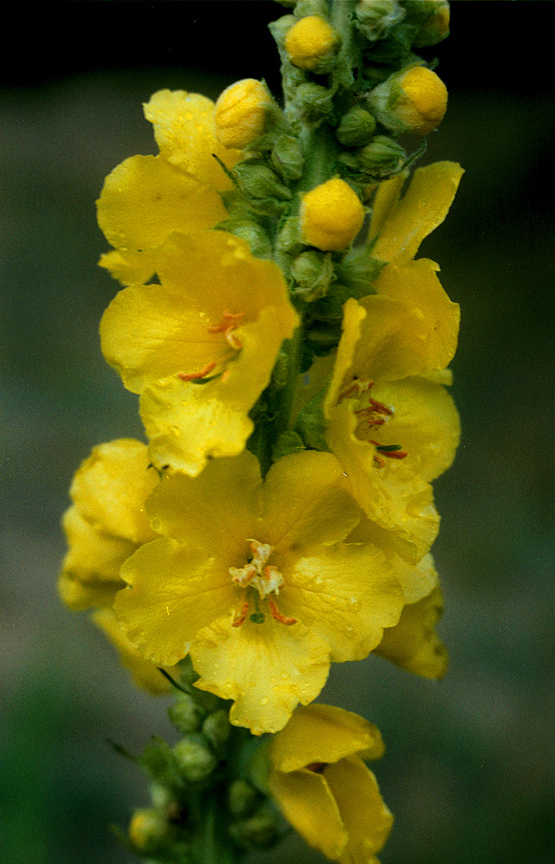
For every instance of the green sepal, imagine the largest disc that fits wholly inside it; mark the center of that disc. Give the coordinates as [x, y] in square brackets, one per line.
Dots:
[288, 442]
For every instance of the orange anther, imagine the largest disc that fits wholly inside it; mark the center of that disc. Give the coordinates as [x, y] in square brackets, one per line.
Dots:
[195, 376]
[242, 615]
[283, 619]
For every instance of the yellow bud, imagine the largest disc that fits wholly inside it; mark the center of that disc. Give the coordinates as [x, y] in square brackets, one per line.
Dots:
[412, 100]
[240, 113]
[312, 44]
[331, 216]
[147, 830]
[425, 100]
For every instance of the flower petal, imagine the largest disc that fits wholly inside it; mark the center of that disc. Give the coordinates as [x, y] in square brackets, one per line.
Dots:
[184, 131]
[111, 486]
[307, 501]
[416, 283]
[306, 801]
[173, 593]
[366, 817]
[144, 673]
[145, 199]
[413, 643]
[345, 593]
[323, 733]
[267, 669]
[423, 207]
[217, 511]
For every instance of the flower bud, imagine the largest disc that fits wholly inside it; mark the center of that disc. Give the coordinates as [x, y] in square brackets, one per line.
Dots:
[436, 27]
[148, 831]
[216, 727]
[240, 113]
[195, 760]
[376, 18]
[314, 102]
[382, 157]
[287, 157]
[259, 831]
[356, 128]
[312, 44]
[241, 797]
[412, 100]
[312, 272]
[186, 714]
[257, 180]
[331, 216]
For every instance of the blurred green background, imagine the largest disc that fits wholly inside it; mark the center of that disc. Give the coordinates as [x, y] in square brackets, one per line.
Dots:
[469, 771]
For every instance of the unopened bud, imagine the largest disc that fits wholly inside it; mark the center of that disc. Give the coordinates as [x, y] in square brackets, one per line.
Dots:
[240, 113]
[412, 100]
[257, 180]
[194, 758]
[260, 831]
[436, 27]
[312, 44]
[287, 157]
[148, 830]
[376, 18]
[241, 797]
[356, 128]
[382, 157]
[314, 102]
[312, 272]
[186, 714]
[331, 216]
[216, 727]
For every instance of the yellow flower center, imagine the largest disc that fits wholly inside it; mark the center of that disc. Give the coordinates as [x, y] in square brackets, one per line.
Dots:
[371, 415]
[265, 578]
[227, 324]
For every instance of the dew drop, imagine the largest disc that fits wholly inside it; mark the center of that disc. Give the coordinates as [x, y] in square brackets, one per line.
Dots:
[264, 701]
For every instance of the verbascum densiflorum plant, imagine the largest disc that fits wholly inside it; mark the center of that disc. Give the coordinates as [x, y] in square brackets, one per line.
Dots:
[291, 356]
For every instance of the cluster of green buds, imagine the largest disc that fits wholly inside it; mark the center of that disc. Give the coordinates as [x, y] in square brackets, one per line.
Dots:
[202, 793]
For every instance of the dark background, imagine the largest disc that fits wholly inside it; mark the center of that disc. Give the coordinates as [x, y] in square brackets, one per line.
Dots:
[469, 769]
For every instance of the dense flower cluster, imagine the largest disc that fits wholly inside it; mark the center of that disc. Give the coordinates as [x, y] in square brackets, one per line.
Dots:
[291, 357]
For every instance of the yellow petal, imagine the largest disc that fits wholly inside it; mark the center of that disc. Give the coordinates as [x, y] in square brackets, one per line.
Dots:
[187, 426]
[323, 733]
[423, 207]
[385, 201]
[367, 819]
[173, 593]
[344, 593]
[145, 199]
[416, 283]
[184, 131]
[93, 556]
[144, 673]
[129, 267]
[413, 643]
[267, 669]
[218, 511]
[425, 423]
[85, 595]
[398, 500]
[111, 486]
[307, 501]
[306, 801]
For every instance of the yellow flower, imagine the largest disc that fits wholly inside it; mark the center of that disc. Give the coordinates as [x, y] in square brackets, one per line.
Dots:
[323, 787]
[200, 346]
[400, 226]
[312, 44]
[412, 643]
[331, 215]
[240, 113]
[106, 522]
[391, 423]
[253, 577]
[146, 198]
[144, 673]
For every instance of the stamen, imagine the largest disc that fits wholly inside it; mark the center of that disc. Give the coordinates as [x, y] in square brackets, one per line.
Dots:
[277, 615]
[227, 325]
[355, 389]
[316, 767]
[194, 376]
[242, 615]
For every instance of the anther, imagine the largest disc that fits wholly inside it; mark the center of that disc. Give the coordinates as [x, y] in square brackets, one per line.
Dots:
[195, 376]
